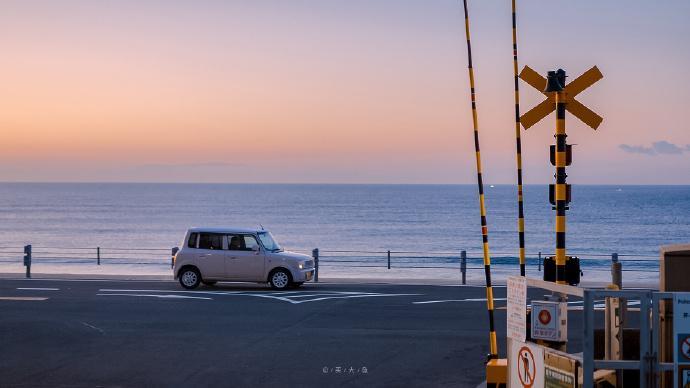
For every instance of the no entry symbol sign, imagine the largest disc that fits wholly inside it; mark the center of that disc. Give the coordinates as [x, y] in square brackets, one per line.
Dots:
[526, 367]
[685, 348]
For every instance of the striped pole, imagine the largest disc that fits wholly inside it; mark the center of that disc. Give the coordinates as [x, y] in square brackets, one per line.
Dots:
[518, 142]
[493, 346]
[561, 189]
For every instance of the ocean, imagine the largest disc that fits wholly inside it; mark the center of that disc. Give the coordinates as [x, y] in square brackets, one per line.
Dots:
[629, 220]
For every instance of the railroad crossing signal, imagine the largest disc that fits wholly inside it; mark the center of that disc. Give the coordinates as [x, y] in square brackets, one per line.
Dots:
[571, 90]
[560, 97]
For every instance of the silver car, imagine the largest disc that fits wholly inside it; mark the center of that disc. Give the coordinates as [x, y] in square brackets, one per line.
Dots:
[209, 255]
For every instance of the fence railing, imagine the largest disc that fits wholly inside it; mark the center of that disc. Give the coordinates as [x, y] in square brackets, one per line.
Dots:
[463, 261]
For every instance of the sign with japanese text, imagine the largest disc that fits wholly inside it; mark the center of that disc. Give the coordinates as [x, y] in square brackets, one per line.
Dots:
[517, 308]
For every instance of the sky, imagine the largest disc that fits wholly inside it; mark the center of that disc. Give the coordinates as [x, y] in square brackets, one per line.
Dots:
[334, 91]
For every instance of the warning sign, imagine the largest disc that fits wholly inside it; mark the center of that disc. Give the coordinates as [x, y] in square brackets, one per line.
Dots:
[560, 369]
[517, 308]
[556, 378]
[525, 365]
[549, 320]
[684, 348]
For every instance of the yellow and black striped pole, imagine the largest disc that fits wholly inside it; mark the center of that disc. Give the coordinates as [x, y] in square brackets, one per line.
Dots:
[493, 345]
[518, 142]
[555, 83]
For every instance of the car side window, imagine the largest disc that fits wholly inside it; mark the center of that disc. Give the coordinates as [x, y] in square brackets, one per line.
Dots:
[235, 242]
[210, 241]
[241, 242]
[250, 242]
[192, 240]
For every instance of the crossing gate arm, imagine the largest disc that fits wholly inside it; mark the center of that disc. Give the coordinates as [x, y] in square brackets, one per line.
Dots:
[555, 287]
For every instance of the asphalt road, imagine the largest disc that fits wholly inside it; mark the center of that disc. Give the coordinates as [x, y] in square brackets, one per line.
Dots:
[153, 333]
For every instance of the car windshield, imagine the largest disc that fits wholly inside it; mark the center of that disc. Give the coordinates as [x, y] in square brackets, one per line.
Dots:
[268, 242]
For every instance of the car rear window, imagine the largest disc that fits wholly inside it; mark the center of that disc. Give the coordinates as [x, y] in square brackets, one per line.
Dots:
[192, 240]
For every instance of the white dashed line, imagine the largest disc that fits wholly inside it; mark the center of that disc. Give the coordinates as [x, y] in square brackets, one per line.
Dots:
[37, 289]
[98, 329]
[22, 298]
[159, 296]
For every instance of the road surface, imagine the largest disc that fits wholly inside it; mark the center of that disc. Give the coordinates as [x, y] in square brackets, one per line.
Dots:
[156, 334]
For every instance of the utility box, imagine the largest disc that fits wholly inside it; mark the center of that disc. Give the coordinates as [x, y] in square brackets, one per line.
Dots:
[550, 321]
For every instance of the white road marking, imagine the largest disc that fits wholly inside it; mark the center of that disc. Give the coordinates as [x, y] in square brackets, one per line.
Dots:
[98, 329]
[172, 291]
[22, 298]
[457, 300]
[37, 289]
[326, 282]
[159, 296]
[351, 296]
[283, 296]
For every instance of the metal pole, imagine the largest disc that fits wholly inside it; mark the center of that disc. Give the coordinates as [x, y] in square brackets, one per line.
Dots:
[645, 304]
[389, 259]
[539, 262]
[315, 255]
[98, 255]
[27, 260]
[493, 344]
[616, 271]
[556, 85]
[588, 348]
[518, 143]
[463, 266]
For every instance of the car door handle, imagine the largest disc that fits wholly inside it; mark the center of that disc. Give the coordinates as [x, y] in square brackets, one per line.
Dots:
[233, 257]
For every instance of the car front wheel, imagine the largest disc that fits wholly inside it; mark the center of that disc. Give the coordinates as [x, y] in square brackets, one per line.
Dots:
[280, 279]
[190, 278]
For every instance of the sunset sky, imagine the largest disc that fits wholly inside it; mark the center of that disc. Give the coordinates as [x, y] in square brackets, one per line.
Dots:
[333, 91]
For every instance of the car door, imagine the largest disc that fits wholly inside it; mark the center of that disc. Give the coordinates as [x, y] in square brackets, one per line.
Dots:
[244, 259]
[210, 256]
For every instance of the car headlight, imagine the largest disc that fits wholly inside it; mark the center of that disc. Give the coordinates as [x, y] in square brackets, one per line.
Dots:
[300, 265]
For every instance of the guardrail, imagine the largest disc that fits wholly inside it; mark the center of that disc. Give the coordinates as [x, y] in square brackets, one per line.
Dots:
[463, 260]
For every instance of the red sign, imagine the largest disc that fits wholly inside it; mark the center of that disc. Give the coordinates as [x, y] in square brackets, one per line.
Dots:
[526, 367]
[544, 317]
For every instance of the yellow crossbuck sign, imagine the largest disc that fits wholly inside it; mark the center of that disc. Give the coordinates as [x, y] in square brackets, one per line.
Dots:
[561, 98]
[571, 104]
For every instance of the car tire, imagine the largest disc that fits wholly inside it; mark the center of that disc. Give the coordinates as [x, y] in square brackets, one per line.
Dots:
[190, 278]
[280, 279]
[297, 284]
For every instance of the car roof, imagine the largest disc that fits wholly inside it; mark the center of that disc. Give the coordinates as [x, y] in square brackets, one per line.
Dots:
[225, 230]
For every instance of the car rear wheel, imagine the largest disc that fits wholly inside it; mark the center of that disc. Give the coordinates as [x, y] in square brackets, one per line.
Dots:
[190, 278]
[280, 279]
